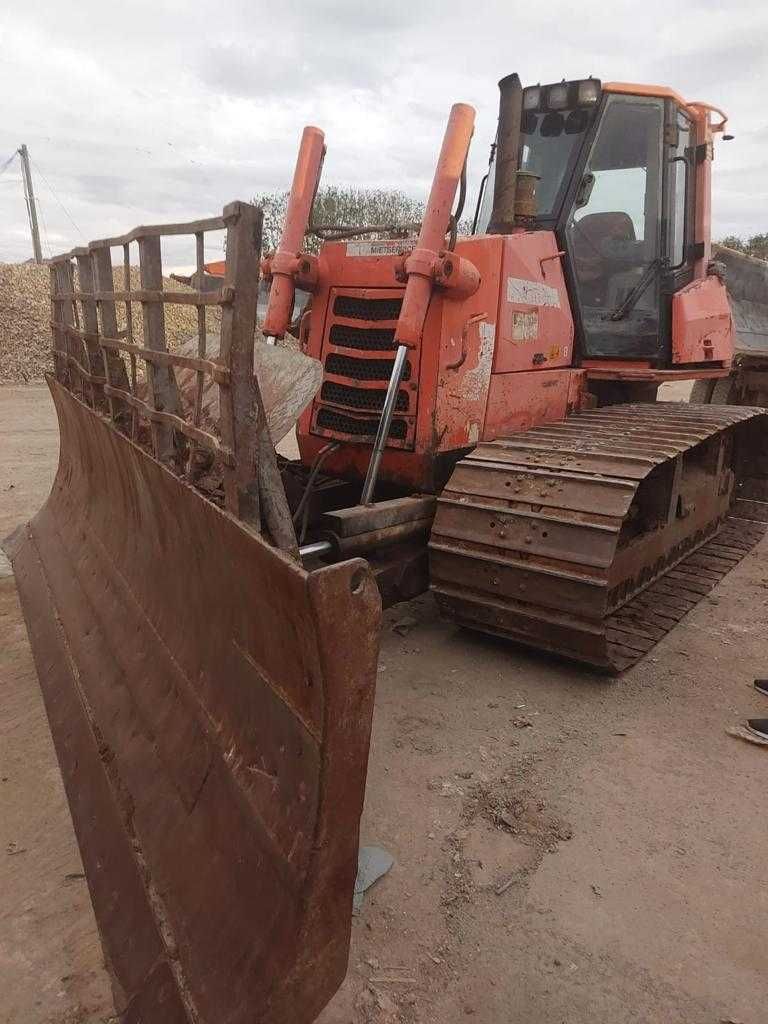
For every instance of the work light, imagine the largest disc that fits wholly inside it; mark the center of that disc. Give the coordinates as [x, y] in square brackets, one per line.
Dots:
[531, 97]
[557, 96]
[589, 91]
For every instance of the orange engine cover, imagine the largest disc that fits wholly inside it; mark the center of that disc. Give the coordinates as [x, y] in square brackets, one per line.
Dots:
[499, 341]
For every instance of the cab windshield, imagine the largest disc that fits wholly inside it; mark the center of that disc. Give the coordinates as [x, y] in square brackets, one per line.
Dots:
[549, 148]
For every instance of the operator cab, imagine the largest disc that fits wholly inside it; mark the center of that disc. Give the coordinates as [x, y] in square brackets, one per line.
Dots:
[615, 182]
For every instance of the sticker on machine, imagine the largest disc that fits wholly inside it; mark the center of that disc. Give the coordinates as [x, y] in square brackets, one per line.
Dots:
[531, 293]
[383, 247]
[487, 331]
[525, 326]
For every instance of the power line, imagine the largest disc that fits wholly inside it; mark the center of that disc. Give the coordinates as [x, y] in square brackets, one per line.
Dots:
[45, 233]
[53, 192]
[9, 161]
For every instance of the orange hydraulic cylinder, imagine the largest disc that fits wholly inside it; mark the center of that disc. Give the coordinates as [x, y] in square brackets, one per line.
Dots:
[285, 262]
[421, 264]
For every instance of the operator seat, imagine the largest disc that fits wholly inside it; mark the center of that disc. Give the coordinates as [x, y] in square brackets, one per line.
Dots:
[593, 266]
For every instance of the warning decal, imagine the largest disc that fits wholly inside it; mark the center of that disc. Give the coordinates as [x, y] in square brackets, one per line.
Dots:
[531, 293]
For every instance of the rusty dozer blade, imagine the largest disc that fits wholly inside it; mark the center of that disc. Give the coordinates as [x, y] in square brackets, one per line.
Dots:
[210, 703]
[210, 700]
[746, 279]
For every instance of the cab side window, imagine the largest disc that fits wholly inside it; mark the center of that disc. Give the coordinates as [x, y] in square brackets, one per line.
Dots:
[681, 180]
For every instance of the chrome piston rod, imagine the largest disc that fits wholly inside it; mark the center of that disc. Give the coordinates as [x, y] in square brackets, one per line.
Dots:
[323, 547]
[316, 547]
[382, 433]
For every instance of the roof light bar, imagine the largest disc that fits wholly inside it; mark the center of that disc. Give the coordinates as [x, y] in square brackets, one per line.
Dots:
[562, 95]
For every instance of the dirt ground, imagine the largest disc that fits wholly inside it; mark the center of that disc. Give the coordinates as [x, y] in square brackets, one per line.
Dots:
[568, 849]
[50, 958]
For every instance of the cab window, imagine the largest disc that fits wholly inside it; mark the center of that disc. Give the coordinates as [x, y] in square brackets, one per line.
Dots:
[681, 181]
[613, 232]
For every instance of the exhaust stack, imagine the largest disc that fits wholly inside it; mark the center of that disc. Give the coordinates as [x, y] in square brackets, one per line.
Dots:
[507, 156]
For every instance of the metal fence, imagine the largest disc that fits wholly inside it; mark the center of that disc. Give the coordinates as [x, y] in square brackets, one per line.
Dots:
[141, 395]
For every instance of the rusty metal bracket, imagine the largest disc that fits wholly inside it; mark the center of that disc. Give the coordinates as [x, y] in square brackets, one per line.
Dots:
[555, 256]
[476, 319]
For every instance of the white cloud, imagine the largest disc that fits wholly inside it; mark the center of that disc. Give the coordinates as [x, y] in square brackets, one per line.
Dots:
[149, 111]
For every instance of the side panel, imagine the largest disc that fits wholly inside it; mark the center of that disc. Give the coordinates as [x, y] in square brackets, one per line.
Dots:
[212, 719]
[519, 401]
[535, 326]
[463, 336]
[702, 327]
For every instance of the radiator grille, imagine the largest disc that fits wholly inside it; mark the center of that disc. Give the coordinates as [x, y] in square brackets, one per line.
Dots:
[362, 322]
[354, 308]
[329, 419]
[363, 369]
[360, 398]
[372, 339]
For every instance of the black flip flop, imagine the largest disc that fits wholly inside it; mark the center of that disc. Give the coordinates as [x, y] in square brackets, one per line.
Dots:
[758, 726]
[761, 685]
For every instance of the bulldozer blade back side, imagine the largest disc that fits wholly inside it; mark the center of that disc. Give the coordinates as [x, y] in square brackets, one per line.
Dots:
[210, 700]
[746, 279]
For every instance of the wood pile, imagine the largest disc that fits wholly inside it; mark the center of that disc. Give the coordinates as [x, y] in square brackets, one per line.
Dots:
[25, 310]
[25, 313]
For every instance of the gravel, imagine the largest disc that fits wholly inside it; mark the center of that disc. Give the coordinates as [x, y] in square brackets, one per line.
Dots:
[25, 312]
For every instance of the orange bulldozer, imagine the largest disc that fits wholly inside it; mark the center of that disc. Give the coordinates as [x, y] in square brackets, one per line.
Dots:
[483, 425]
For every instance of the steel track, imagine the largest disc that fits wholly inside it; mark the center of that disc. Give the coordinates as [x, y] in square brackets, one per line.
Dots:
[592, 537]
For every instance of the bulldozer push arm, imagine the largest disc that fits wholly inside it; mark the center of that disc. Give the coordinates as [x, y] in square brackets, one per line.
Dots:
[210, 700]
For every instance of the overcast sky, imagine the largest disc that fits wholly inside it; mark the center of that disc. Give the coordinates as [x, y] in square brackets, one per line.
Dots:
[139, 112]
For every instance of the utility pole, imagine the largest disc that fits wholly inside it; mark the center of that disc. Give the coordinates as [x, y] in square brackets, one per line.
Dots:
[29, 195]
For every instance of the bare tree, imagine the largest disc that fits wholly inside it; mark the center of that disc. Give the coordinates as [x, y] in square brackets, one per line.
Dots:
[755, 245]
[341, 206]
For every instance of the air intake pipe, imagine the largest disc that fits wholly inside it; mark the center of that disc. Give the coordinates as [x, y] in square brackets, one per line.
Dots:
[507, 156]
